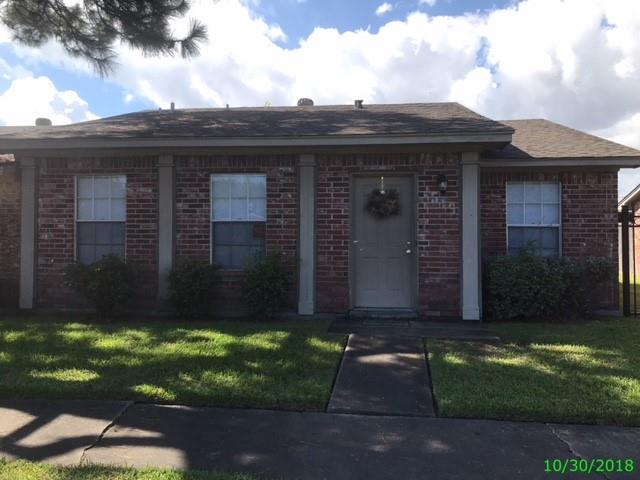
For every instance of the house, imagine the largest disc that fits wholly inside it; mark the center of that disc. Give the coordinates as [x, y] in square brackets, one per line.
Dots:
[222, 184]
[631, 203]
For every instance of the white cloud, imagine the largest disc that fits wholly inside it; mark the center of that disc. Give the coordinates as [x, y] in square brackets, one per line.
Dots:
[275, 33]
[627, 132]
[383, 8]
[472, 89]
[573, 61]
[628, 179]
[28, 98]
[429, 3]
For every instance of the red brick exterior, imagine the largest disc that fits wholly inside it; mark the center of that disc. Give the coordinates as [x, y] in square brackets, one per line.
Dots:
[438, 229]
[193, 217]
[589, 224]
[588, 210]
[9, 234]
[56, 223]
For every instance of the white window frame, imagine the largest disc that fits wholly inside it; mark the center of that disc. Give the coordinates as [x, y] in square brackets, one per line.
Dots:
[109, 198]
[245, 220]
[542, 203]
[76, 220]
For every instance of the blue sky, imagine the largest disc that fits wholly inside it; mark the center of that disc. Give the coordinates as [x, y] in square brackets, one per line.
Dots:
[296, 18]
[576, 62]
[105, 97]
[299, 18]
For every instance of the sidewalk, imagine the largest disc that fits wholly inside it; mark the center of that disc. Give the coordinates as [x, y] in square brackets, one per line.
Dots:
[384, 376]
[301, 445]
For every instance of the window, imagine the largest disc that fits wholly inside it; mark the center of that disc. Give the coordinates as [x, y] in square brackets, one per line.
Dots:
[101, 211]
[533, 215]
[238, 215]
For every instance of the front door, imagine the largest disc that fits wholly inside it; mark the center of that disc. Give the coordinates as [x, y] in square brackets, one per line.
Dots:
[383, 248]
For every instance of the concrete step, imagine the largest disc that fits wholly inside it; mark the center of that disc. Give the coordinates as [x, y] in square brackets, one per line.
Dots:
[382, 315]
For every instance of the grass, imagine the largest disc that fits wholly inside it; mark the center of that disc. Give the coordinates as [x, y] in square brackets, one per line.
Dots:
[24, 470]
[634, 296]
[583, 373]
[270, 365]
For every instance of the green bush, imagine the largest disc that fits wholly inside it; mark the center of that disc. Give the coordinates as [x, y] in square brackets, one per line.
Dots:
[533, 287]
[266, 284]
[107, 284]
[191, 288]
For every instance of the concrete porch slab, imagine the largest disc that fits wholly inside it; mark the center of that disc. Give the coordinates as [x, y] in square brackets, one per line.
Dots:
[451, 330]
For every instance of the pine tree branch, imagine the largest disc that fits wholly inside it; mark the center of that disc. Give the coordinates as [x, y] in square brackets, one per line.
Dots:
[89, 30]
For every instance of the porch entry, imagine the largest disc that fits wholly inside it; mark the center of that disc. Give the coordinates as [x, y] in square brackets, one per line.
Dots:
[383, 249]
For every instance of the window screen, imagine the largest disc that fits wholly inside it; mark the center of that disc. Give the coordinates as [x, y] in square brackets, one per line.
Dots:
[533, 217]
[238, 214]
[100, 217]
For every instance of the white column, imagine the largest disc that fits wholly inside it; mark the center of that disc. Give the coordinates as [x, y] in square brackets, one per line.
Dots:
[27, 231]
[306, 244]
[166, 217]
[471, 267]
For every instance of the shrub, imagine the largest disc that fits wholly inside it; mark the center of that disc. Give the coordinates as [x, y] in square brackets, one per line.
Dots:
[107, 283]
[529, 286]
[266, 284]
[191, 288]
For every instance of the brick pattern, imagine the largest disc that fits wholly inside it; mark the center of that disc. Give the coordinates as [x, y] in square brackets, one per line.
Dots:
[588, 216]
[589, 213]
[438, 229]
[9, 234]
[193, 225]
[56, 223]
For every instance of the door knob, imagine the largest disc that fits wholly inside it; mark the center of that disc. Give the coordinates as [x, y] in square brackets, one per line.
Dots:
[408, 251]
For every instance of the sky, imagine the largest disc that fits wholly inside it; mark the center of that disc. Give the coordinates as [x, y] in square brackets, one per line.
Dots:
[576, 62]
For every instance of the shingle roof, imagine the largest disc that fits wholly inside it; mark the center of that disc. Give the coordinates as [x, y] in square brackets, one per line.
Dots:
[336, 120]
[544, 139]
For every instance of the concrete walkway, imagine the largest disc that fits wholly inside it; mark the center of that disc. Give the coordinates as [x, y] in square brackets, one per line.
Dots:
[292, 445]
[384, 376]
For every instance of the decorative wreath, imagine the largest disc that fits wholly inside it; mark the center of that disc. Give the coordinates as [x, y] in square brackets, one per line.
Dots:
[383, 203]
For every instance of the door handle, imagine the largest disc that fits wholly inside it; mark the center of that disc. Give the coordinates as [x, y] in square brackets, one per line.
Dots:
[408, 251]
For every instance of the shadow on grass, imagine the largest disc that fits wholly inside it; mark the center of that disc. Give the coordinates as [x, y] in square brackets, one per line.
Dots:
[580, 373]
[224, 364]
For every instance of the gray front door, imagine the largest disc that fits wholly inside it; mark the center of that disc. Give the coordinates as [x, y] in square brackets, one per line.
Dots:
[383, 249]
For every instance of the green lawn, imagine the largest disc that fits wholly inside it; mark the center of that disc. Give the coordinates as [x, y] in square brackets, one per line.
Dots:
[23, 470]
[634, 296]
[272, 365]
[586, 373]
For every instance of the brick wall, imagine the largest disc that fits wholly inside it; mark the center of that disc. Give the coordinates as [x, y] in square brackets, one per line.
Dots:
[56, 224]
[438, 229]
[9, 234]
[193, 224]
[589, 213]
